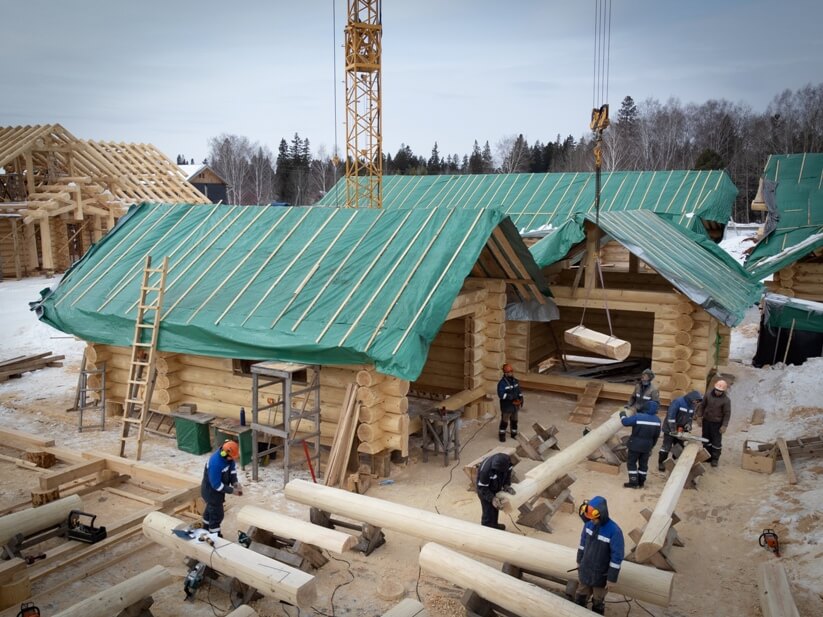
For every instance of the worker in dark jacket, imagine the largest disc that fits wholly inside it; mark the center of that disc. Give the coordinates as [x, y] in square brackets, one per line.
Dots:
[715, 410]
[645, 432]
[679, 417]
[644, 392]
[599, 555]
[511, 400]
[494, 475]
[219, 479]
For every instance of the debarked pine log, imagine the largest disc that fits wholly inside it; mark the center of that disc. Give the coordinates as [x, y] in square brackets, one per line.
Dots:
[296, 529]
[271, 578]
[654, 535]
[637, 581]
[120, 597]
[544, 475]
[513, 594]
[33, 520]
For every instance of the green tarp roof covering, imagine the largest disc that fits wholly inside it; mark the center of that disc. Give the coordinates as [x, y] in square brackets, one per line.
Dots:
[798, 215]
[309, 285]
[694, 264]
[785, 312]
[535, 201]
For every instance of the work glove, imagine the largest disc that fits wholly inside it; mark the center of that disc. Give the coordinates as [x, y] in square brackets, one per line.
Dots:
[722, 429]
[498, 503]
[238, 490]
[623, 413]
[509, 489]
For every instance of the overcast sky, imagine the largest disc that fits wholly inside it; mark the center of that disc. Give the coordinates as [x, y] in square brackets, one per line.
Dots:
[177, 72]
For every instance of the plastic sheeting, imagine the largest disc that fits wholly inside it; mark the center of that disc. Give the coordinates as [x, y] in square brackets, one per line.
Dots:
[793, 313]
[539, 201]
[309, 285]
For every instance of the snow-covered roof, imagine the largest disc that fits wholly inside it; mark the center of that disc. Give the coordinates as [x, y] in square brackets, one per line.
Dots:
[191, 170]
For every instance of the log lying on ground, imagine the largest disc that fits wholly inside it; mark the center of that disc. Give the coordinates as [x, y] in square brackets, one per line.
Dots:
[28, 522]
[654, 536]
[271, 578]
[636, 581]
[296, 529]
[115, 599]
[515, 595]
[544, 475]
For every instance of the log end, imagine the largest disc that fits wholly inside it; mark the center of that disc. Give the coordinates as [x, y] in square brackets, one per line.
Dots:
[645, 550]
[306, 594]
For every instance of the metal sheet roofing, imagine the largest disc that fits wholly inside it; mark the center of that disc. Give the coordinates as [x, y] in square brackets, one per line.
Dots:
[311, 285]
[798, 218]
[535, 201]
[694, 264]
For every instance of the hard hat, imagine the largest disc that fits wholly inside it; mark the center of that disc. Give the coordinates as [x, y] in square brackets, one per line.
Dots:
[721, 385]
[507, 368]
[230, 449]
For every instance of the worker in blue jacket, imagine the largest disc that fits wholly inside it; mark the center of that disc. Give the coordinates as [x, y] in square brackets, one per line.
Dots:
[219, 480]
[679, 417]
[511, 400]
[494, 475]
[645, 433]
[599, 555]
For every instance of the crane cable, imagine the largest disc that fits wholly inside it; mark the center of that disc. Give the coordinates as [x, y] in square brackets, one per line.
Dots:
[599, 123]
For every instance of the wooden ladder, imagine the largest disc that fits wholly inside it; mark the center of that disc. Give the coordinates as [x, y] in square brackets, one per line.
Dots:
[144, 348]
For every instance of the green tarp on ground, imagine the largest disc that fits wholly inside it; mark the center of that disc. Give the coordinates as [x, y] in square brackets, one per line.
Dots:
[795, 225]
[537, 201]
[784, 312]
[309, 285]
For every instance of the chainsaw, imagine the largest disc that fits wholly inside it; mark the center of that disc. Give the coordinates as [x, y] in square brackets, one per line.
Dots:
[768, 540]
[27, 609]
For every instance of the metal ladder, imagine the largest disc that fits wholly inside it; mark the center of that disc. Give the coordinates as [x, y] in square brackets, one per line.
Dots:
[82, 397]
[142, 367]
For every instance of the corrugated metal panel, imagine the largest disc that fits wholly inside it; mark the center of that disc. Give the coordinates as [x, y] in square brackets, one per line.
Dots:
[535, 201]
[799, 202]
[313, 285]
[693, 264]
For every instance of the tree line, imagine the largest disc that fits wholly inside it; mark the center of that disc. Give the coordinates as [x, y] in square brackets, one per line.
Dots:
[645, 136]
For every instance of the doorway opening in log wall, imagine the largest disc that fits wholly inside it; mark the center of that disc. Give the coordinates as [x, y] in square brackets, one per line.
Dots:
[444, 373]
[545, 344]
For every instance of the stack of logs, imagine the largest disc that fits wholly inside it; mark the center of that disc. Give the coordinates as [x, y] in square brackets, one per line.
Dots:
[799, 280]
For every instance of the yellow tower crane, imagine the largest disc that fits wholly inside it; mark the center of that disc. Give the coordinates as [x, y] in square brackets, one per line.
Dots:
[364, 139]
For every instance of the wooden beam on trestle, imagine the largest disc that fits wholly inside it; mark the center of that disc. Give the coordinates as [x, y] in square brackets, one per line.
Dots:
[544, 475]
[269, 577]
[654, 536]
[513, 594]
[636, 581]
[296, 529]
[112, 600]
[28, 522]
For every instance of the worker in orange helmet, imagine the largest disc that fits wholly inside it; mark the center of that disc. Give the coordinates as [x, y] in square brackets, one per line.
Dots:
[219, 480]
[511, 400]
[715, 410]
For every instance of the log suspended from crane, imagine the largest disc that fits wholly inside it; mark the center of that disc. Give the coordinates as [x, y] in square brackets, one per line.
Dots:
[603, 344]
[515, 595]
[654, 535]
[29, 522]
[636, 581]
[123, 595]
[271, 578]
[296, 529]
[539, 478]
